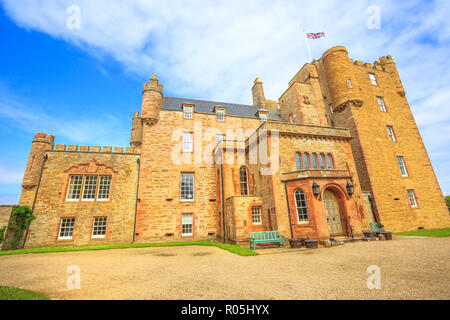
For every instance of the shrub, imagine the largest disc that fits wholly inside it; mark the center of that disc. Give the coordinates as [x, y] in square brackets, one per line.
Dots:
[23, 217]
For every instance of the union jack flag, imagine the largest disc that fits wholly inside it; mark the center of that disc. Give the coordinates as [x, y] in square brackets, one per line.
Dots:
[315, 35]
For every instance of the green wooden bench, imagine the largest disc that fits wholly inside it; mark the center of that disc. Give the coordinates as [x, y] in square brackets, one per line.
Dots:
[265, 237]
[376, 227]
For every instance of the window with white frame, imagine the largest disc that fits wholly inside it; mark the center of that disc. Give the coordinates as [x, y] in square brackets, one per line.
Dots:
[300, 204]
[187, 187]
[412, 198]
[188, 112]
[256, 215]
[291, 118]
[90, 187]
[104, 187]
[186, 225]
[331, 108]
[401, 164]
[221, 115]
[391, 134]
[350, 85]
[263, 117]
[99, 227]
[188, 143]
[373, 79]
[66, 229]
[74, 190]
[381, 104]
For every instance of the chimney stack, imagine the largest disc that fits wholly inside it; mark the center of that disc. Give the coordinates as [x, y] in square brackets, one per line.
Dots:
[258, 94]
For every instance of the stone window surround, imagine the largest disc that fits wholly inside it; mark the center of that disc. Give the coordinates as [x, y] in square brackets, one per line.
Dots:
[246, 182]
[403, 162]
[80, 199]
[308, 154]
[192, 234]
[194, 187]
[188, 143]
[188, 109]
[381, 104]
[409, 198]
[221, 114]
[93, 227]
[61, 218]
[260, 223]
[390, 129]
[373, 79]
[305, 207]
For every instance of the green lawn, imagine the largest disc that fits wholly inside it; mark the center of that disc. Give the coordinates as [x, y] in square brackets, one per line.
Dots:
[229, 247]
[427, 233]
[8, 293]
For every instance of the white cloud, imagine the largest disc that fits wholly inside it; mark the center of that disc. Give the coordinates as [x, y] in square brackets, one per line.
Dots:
[215, 49]
[29, 117]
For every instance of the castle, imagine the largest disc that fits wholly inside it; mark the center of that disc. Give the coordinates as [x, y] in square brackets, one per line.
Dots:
[339, 149]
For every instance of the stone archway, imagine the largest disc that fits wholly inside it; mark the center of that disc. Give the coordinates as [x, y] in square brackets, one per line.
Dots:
[333, 213]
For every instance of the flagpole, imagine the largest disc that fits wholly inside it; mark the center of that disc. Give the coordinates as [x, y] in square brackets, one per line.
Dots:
[307, 45]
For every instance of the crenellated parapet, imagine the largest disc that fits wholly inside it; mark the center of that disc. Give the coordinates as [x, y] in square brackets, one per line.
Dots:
[95, 149]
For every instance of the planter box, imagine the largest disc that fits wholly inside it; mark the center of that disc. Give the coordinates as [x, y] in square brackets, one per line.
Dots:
[311, 244]
[296, 243]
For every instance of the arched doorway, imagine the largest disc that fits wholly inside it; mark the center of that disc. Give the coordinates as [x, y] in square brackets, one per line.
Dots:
[334, 219]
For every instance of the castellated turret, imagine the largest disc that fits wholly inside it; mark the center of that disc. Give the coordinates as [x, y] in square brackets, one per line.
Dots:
[338, 72]
[136, 131]
[388, 65]
[41, 144]
[152, 97]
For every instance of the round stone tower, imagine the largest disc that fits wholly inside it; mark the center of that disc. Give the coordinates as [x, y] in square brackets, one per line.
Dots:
[338, 71]
[152, 97]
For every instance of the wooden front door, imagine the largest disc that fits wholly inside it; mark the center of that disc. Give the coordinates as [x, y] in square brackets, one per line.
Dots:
[333, 215]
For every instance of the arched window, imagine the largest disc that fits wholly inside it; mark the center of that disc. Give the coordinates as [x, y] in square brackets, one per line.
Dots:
[306, 161]
[322, 161]
[314, 161]
[330, 162]
[300, 205]
[298, 161]
[244, 181]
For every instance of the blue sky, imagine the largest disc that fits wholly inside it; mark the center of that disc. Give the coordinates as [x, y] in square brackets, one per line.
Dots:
[83, 85]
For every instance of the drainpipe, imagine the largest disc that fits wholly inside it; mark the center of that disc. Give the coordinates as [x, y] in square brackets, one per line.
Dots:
[34, 200]
[137, 199]
[373, 209]
[223, 202]
[289, 210]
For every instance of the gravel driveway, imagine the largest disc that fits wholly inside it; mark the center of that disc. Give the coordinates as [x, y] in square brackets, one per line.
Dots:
[411, 268]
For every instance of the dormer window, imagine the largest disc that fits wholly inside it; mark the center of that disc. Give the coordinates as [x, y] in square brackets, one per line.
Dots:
[263, 115]
[220, 111]
[221, 115]
[188, 112]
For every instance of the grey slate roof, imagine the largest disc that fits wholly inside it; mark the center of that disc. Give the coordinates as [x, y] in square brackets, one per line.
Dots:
[232, 109]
